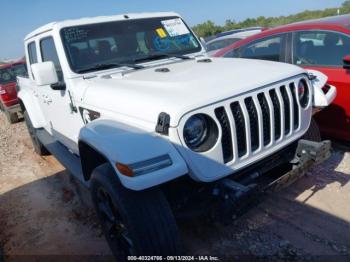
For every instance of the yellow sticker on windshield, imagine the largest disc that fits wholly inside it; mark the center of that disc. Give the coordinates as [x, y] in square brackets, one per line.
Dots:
[161, 32]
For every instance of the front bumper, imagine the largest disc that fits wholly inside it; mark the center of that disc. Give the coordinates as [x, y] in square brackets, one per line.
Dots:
[307, 154]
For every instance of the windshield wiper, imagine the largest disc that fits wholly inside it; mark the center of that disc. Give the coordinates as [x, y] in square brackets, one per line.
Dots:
[108, 66]
[154, 56]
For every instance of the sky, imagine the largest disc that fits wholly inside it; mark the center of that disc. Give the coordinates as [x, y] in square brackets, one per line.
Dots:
[20, 17]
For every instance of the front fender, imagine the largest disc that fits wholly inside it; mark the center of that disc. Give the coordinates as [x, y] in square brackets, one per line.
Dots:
[32, 107]
[320, 98]
[120, 143]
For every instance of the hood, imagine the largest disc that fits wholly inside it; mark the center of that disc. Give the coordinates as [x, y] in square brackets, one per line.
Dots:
[183, 87]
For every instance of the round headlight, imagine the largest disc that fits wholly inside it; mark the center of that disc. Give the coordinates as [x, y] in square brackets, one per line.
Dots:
[303, 93]
[195, 130]
[200, 133]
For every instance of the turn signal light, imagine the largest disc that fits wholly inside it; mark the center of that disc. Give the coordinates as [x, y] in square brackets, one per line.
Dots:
[124, 169]
[144, 167]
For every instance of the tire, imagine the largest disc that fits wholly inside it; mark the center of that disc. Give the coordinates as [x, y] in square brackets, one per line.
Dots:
[39, 148]
[143, 223]
[11, 117]
[313, 133]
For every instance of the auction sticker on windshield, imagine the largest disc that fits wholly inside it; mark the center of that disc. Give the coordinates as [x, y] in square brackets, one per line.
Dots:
[175, 27]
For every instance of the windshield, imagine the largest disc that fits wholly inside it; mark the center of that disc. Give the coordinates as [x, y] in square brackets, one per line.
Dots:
[126, 42]
[8, 74]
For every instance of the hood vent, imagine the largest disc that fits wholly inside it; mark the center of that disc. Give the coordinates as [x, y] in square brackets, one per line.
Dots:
[204, 60]
[162, 70]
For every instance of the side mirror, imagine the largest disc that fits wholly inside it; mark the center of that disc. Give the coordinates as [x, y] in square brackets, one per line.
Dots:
[346, 62]
[45, 73]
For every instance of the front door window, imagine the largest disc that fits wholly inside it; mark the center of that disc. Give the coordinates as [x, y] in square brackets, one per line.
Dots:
[320, 48]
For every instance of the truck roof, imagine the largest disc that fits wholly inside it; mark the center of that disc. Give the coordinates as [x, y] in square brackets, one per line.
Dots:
[94, 20]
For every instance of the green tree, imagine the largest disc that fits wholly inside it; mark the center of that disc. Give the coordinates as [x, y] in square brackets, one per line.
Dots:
[345, 8]
[207, 29]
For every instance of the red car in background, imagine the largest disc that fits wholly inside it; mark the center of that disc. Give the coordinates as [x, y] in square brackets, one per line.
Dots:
[8, 93]
[323, 45]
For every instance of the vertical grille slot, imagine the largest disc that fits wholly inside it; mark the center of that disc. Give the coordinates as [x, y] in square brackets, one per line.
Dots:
[226, 139]
[266, 118]
[295, 106]
[286, 109]
[240, 128]
[254, 123]
[277, 113]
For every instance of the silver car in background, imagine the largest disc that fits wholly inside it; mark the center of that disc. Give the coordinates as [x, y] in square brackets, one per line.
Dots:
[214, 45]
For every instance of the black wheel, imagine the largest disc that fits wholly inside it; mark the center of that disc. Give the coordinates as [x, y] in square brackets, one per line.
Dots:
[134, 222]
[313, 133]
[39, 148]
[11, 117]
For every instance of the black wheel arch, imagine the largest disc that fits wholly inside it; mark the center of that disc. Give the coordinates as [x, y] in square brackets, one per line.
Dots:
[90, 159]
[21, 104]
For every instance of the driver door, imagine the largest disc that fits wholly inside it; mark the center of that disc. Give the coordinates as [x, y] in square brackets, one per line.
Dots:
[64, 123]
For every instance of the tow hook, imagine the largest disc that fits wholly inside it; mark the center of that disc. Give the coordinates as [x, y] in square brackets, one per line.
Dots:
[230, 189]
[234, 198]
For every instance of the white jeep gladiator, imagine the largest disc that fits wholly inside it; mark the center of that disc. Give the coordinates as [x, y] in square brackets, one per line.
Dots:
[132, 106]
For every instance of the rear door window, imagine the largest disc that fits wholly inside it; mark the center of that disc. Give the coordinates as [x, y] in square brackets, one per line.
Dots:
[32, 55]
[320, 48]
[33, 59]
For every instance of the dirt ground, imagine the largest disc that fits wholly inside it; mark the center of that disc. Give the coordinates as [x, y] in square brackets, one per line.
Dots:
[43, 211]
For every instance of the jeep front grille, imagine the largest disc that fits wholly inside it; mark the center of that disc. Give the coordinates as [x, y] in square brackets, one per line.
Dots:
[258, 120]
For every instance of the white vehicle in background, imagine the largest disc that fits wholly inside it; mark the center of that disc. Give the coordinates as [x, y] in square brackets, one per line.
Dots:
[136, 111]
[214, 45]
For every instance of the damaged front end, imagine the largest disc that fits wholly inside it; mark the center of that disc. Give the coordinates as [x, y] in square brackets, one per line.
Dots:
[240, 192]
[323, 93]
[308, 153]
